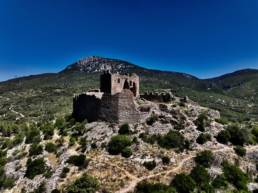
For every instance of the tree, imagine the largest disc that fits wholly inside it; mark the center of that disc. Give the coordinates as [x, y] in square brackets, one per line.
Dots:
[35, 149]
[124, 129]
[148, 187]
[240, 150]
[202, 121]
[78, 160]
[183, 183]
[150, 165]
[85, 184]
[235, 176]
[223, 137]
[126, 152]
[35, 167]
[204, 158]
[173, 139]
[200, 175]
[51, 148]
[118, 143]
[220, 182]
[203, 138]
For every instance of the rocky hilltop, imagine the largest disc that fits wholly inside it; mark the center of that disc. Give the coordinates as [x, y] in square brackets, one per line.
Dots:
[171, 138]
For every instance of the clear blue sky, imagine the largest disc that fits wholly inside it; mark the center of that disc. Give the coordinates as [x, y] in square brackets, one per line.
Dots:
[202, 37]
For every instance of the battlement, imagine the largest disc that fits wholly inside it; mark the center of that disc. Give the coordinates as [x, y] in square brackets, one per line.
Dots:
[115, 83]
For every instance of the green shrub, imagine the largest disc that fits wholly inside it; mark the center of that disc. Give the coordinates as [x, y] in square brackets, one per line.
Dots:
[203, 138]
[165, 160]
[204, 158]
[51, 148]
[220, 182]
[126, 152]
[223, 137]
[235, 176]
[124, 129]
[240, 150]
[33, 135]
[118, 143]
[6, 182]
[152, 119]
[238, 136]
[173, 139]
[147, 187]
[85, 184]
[48, 130]
[35, 149]
[150, 165]
[255, 133]
[183, 183]
[200, 175]
[40, 189]
[202, 121]
[64, 172]
[151, 139]
[35, 167]
[78, 160]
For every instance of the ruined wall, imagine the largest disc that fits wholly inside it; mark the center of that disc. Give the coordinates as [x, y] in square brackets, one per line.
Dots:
[158, 97]
[86, 107]
[119, 108]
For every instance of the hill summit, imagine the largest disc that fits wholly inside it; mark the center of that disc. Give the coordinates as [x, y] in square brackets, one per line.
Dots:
[94, 64]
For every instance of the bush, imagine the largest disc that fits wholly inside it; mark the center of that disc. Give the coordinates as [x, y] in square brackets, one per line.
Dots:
[48, 130]
[203, 138]
[51, 148]
[165, 160]
[33, 135]
[152, 119]
[78, 160]
[35, 149]
[35, 167]
[255, 133]
[173, 139]
[204, 158]
[85, 184]
[40, 189]
[147, 187]
[240, 150]
[235, 176]
[200, 175]
[223, 137]
[220, 182]
[64, 172]
[151, 139]
[183, 183]
[124, 129]
[126, 152]
[238, 136]
[201, 122]
[150, 165]
[118, 143]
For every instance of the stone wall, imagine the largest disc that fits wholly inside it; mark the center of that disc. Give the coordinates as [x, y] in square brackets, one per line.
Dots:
[119, 108]
[86, 107]
[158, 97]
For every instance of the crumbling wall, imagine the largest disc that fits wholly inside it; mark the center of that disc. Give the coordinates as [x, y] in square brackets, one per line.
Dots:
[119, 108]
[158, 97]
[86, 107]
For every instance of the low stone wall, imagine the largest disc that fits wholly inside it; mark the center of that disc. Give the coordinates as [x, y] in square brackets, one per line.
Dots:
[86, 107]
[158, 97]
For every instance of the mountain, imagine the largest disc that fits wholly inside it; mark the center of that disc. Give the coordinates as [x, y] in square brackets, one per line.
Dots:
[234, 94]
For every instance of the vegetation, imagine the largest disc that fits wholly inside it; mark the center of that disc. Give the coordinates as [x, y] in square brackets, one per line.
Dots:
[36, 167]
[165, 160]
[201, 177]
[235, 176]
[240, 150]
[203, 138]
[118, 144]
[124, 129]
[150, 165]
[35, 149]
[173, 139]
[202, 121]
[220, 182]
[78, 160]
[223, 136]
[147, 187]
[183, 183]
[204, 158]
[85, 184]
[51, 147]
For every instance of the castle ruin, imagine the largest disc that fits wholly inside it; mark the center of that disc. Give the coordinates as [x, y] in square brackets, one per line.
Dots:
[114, 102]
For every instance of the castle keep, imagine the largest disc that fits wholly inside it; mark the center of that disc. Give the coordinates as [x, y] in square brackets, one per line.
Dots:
[114, 102]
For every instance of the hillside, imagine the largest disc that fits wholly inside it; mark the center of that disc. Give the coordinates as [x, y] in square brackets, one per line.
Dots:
[235, 94]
